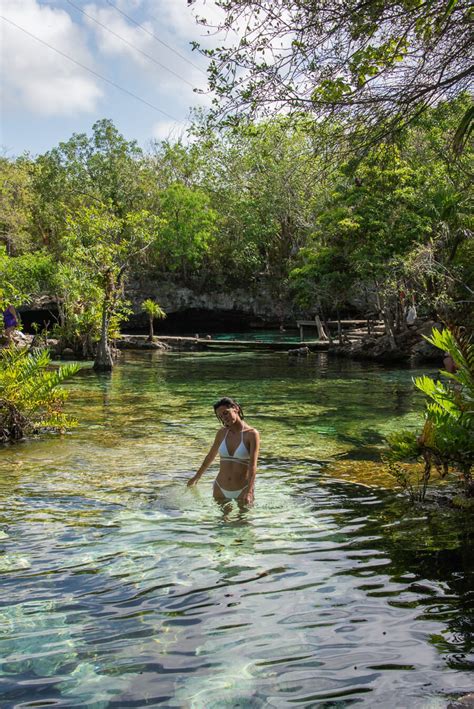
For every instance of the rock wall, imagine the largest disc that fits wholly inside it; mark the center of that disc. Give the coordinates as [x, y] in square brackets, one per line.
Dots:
[186, 309]
[236, 305]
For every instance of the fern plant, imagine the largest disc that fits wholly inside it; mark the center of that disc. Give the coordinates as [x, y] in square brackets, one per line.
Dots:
[30, 396]
[447, 439]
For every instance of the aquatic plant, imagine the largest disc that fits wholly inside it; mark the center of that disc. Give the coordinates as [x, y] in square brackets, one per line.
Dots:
[30, 397]
[446, 442]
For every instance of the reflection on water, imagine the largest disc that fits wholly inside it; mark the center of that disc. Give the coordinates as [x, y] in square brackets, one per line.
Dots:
[121, 588]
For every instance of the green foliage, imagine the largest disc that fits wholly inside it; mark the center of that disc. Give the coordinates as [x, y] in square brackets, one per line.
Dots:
[16, 204]
[31, 398]
[102, 168]
[324, 278]
[463, 131]
[451, 405]
[22, 277]
[404, 445]
[447, 439]
[374, 66]
[187, 231]
[78, 298]
[101, 246]
[274, 206]
[152, 309]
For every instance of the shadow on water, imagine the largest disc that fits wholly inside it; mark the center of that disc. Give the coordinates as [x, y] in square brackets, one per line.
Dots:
[122, 588]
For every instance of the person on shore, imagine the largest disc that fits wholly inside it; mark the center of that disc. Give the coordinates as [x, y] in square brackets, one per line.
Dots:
[411, 315]
[238, 447]
[10, 322]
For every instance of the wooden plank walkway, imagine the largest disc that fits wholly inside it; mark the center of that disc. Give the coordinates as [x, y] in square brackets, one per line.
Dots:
[177, 342]
[356, 328]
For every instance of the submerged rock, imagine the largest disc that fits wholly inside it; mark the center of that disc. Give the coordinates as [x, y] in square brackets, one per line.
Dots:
[139, 342]
[299, 352]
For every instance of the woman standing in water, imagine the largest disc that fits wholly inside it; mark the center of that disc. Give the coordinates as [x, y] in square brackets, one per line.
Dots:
[237, 445]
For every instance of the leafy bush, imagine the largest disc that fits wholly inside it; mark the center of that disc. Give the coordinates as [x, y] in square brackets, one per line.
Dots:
[447, 439]
[30, 397]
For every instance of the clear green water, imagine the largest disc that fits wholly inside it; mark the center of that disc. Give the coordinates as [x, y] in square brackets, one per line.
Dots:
[121, 588]
[290, 336]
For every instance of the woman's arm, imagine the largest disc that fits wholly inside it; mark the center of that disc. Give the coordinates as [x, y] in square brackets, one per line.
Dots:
[252, 471]
[207, 460]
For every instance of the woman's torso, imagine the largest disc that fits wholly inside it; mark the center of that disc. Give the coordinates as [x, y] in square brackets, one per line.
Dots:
[234, 452]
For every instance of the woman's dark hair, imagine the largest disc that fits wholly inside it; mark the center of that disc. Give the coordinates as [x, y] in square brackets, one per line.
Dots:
[229, 403]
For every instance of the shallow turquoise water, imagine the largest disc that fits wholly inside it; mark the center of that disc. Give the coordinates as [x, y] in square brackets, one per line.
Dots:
[121, 588]
[290, 336]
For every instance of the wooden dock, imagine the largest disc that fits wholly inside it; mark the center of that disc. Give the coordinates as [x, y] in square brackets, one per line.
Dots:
[233, 345]
[351, 329]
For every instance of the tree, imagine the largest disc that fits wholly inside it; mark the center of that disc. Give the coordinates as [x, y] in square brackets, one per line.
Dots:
[371, 217]
[78, 296]
[101, 168]
[377, 64]
[323, 281]
[264, 181]
[105, 245]
[153, 311]
[16, 204]
[188, 230]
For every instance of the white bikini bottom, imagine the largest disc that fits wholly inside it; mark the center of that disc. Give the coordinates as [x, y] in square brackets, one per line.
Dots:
[230, 494]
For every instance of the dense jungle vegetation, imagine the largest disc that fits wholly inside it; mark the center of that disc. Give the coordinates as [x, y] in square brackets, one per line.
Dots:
[283, 205]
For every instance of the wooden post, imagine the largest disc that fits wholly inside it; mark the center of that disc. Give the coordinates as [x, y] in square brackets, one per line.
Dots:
[301, 333]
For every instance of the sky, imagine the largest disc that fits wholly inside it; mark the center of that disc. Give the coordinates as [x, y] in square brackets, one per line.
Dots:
[46, 97]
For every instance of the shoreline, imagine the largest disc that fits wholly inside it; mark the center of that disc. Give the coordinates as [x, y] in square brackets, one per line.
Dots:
[410, 346]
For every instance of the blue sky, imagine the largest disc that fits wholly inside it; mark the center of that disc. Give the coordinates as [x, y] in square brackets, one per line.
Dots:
[45, 97]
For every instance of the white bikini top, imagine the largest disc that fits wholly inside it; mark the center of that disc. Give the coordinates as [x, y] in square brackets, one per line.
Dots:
[241, 454]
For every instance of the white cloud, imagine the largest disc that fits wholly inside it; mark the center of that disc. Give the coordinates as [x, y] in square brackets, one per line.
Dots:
[161, 36]
[36, 77]
[116, 36]
[128, 4]
[164, 37]
[169, 130]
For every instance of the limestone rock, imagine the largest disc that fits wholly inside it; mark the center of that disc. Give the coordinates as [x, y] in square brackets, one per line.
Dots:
[466, 702]
[138, 342]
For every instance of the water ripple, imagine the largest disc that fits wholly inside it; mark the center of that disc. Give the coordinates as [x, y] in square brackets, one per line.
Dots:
[120, 588]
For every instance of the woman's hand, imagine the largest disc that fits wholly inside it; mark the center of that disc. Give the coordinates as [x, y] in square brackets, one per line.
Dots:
[248, 498]
[192, 481]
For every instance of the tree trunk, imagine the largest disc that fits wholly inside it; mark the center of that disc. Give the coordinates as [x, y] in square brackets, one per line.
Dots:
[327, 329]
[321, 334]
[384, 313]
[150, 335]
[103, 358]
